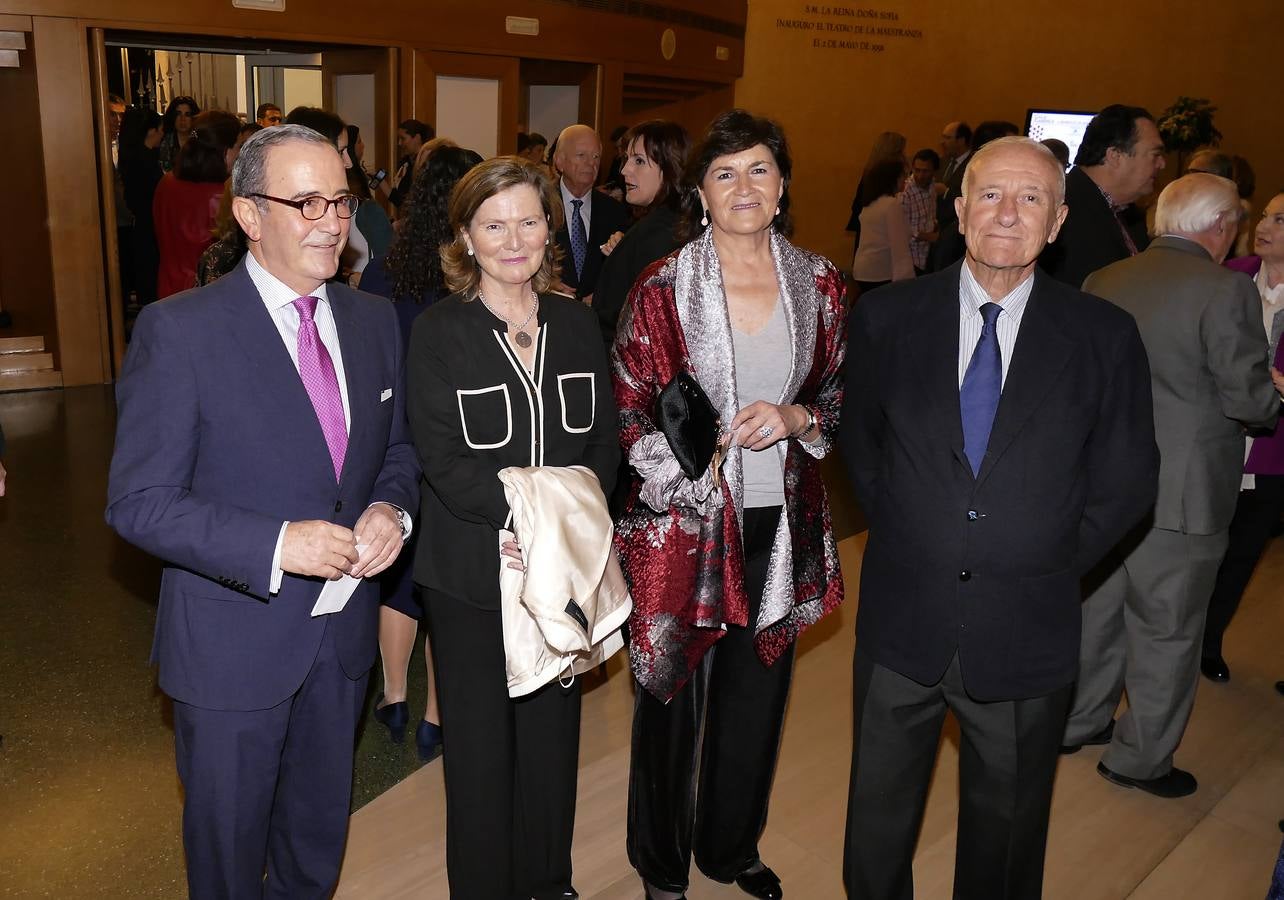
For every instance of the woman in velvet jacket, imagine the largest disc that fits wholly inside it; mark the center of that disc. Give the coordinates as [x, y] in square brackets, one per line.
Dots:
[723, 581]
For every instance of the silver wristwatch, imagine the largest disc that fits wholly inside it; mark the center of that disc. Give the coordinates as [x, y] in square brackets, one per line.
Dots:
[403, 520]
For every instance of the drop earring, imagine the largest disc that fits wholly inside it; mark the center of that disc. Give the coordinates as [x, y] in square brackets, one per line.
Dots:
[470, 251]
[777, 210]
[704, 220]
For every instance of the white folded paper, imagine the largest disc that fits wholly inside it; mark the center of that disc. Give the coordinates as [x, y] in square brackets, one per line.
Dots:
[336, 594]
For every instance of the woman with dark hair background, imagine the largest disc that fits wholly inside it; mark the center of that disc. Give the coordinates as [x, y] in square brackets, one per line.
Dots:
[725, 571]
[140, 173]
[883, 242]
[229, 245]
[888, 145]
[371, 221]
[654, 156]
[411, 277]
[176, 129]
[186, 204]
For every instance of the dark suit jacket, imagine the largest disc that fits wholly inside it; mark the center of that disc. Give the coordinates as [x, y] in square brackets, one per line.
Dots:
[988, 567]
[606, 216]
[1090, 239]
[651, 239]
[217, 444]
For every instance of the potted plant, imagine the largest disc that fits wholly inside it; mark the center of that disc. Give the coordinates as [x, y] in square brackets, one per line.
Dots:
[1186, 126]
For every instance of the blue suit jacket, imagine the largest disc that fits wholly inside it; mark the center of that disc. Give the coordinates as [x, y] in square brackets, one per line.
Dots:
[217, 444]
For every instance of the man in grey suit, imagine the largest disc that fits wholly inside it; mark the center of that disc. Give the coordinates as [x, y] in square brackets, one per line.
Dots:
[1144, 616]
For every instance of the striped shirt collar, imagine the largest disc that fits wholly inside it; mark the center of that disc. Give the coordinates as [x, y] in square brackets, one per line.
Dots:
[274, 292]
[972, 295]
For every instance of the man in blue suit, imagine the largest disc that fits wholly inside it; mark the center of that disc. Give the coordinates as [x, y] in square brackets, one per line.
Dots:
[261, 450]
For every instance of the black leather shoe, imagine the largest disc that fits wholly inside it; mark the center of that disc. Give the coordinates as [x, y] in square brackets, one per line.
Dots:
[429, 741]
[394, 717]
[1214, 669]
[1177, 783]
[569, 894]
[762, 884]
[1101, 737]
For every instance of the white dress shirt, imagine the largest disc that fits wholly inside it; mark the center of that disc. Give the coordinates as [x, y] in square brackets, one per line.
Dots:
[279, 299]
[1272, 305]
[1007, 325]
[586, 210]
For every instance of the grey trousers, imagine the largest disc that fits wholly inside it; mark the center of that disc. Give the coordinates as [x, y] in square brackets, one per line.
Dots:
[1142, 632]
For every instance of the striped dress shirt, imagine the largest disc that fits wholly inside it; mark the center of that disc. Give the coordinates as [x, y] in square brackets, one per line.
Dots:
[971, 296]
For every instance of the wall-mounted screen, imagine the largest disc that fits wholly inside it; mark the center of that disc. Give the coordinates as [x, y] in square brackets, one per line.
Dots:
[1063, 124]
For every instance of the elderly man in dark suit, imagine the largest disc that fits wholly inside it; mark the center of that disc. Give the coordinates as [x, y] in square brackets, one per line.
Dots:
[997, 428]
[591, 216]
[1144, 621]
[262, 450]
[1115, 165]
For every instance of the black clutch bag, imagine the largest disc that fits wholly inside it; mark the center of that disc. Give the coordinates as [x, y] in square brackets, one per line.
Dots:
[690, 423]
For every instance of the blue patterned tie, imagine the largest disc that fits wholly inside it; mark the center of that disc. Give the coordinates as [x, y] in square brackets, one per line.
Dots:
[982, 385]
[579, 240]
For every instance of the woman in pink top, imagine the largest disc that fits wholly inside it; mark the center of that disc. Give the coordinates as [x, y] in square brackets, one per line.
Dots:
[1261, 497]
[185, 207]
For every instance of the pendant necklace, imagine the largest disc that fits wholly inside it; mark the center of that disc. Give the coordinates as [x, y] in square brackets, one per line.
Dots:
[522, 339]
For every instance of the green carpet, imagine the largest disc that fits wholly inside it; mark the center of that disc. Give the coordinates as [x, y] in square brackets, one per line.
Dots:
[380, 763]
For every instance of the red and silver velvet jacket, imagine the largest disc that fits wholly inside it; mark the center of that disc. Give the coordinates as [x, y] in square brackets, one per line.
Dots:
[680, 541]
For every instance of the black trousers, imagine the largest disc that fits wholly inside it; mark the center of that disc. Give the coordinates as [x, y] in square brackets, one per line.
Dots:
[1257, 512]
[510, 767]
[713, 785]
[1007, 761]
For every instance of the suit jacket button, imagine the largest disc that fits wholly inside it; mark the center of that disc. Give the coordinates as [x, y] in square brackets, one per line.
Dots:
[965, 575]
[338, 506]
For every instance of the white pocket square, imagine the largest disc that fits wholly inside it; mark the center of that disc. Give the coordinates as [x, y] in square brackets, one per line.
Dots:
[386, 395]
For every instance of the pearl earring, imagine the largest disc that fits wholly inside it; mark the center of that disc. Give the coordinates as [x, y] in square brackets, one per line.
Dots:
[470, 251]
[704, 220]
[777, 210]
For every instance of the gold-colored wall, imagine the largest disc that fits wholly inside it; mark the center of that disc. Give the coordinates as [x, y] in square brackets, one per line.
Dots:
[993, 59]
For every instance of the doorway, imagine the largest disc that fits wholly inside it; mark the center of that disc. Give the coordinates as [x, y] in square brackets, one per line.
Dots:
[237, 75]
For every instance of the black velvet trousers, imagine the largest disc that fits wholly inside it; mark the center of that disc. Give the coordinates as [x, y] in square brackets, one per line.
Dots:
[1257, 512]
[702, 764]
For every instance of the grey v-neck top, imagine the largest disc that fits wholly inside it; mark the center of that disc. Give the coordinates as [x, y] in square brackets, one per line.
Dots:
[762, 365]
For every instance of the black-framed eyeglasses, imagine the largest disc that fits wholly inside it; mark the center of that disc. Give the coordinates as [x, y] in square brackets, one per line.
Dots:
[316, 206]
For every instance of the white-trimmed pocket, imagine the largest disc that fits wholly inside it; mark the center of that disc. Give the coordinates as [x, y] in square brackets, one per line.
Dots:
[485, 414]
[577, 396]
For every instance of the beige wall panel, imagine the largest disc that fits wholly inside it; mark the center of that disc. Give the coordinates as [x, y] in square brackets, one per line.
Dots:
[993, 61]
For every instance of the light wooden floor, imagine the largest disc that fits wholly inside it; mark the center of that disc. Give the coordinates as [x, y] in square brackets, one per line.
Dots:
[1106, 843]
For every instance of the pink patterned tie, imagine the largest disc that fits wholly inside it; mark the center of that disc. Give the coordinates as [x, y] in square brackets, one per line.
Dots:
[317, 371]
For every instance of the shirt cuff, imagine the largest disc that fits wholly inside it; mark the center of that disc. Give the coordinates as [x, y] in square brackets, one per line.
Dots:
[278, 574]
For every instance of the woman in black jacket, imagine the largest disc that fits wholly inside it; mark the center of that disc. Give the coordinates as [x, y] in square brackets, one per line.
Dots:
[654, 156]
[501, 373]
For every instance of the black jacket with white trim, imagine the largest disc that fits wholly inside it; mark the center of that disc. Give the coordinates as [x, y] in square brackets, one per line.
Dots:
[475, 410]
